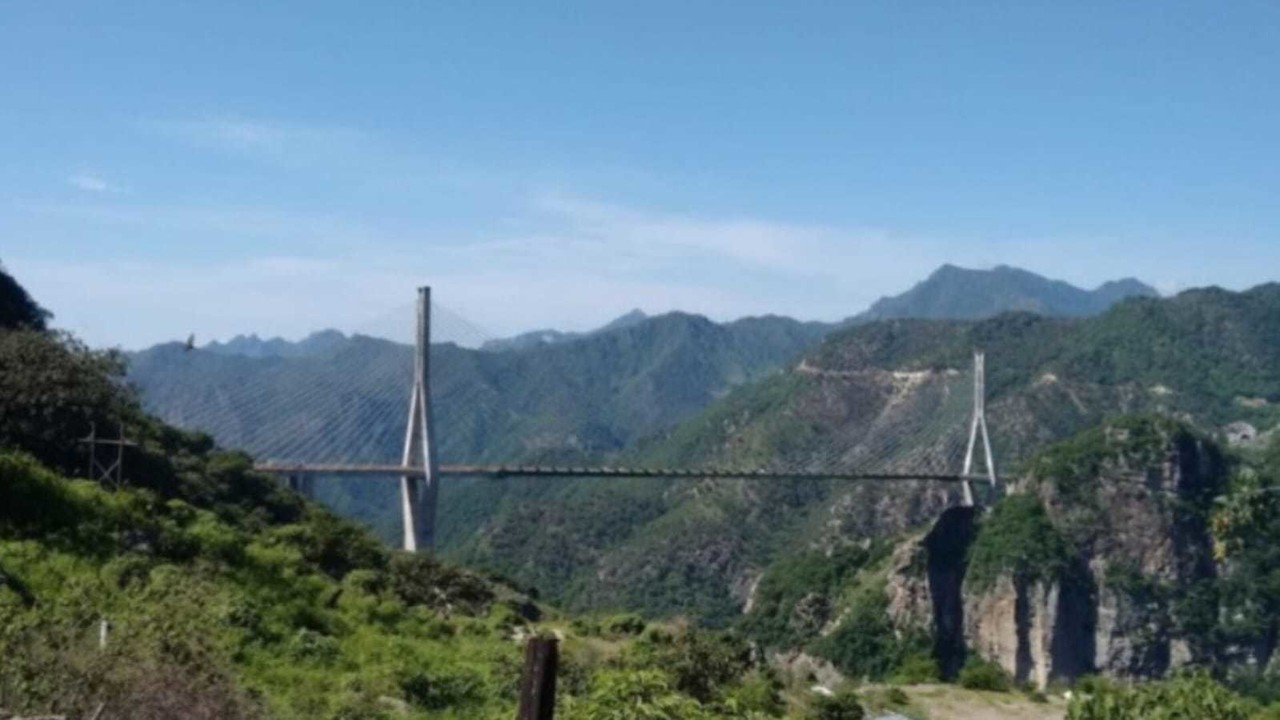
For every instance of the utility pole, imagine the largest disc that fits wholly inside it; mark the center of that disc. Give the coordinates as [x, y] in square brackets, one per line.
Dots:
[977, 424]
[111, 470]
[418, 494]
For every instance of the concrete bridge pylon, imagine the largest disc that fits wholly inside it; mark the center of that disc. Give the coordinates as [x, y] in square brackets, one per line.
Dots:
[418, 493]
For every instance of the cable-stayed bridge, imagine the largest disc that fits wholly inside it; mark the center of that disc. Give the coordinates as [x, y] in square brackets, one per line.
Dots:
[351, 421]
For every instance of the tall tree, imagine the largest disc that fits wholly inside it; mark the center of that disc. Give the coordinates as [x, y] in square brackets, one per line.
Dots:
[17, 309]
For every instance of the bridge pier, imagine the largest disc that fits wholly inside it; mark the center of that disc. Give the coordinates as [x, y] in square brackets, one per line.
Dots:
[301, 483]
[418, 493]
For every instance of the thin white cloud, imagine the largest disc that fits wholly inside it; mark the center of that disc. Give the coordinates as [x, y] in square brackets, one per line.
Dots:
[573, 265]
[92, 183]
[256, 136]
[562, 262]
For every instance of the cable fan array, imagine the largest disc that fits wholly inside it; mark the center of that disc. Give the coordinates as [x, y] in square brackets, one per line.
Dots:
[349, 405]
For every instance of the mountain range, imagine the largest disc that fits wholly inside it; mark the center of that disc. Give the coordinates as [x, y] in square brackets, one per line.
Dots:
[1209, 357]
[955, 293]
[647, 389]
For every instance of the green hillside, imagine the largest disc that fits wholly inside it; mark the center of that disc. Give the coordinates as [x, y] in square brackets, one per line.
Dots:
[589, 396]
[199, 589]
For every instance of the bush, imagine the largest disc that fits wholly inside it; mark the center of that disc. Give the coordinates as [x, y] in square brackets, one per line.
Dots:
[636, 695]
[867, 645]
[417, 579]
[979, 674]
[758, 692]
[916, 669]
[699, 663]
[442, 688]
[842, 706]
[625, 624]
[896, 697]
[1192, 696]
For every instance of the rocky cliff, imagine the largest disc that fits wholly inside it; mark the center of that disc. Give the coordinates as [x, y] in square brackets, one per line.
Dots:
[1097, 562]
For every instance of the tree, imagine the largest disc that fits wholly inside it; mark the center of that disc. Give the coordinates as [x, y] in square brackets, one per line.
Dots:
[17, 309]
[53, 390]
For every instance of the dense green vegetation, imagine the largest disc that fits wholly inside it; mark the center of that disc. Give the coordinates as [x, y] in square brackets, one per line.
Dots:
[1048, 379]
[867, 645]
[1017, 540]
[796, 597]
[201, 589]
[1195, 696]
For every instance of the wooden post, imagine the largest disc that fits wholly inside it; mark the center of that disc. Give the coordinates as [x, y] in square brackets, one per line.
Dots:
[538, 682]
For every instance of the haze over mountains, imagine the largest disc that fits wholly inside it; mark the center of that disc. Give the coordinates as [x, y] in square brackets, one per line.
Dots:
[950, 292]
[545, 394]
[1208, 356]
[679, 390]
[542, 396]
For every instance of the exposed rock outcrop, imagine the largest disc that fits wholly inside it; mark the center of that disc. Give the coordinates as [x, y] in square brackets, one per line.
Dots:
[1131, 520]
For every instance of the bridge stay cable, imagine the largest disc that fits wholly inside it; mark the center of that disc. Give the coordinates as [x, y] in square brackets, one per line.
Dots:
[330, 419]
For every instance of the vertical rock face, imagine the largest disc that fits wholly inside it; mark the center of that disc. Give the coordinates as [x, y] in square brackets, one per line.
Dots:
[1035, 631]
[946, 546]
[1135, 541]
[925, 585]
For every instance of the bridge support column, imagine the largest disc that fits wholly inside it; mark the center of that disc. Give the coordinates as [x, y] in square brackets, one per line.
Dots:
[418, 494]
[978, 425]
[301, 483]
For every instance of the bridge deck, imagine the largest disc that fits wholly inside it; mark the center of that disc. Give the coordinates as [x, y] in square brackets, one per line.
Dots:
[512, 471]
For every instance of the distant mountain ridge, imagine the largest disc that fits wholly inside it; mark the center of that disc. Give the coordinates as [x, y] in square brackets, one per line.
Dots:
[955, 293]
[537, 338]
[547, 396]
[949, 293]
[595, 394]
[251, 345]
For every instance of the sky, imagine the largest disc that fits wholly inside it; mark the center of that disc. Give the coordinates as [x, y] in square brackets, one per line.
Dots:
[278, 167]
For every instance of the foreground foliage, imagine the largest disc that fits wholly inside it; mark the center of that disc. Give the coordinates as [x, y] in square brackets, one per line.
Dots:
[1194, 697]
[202, 589]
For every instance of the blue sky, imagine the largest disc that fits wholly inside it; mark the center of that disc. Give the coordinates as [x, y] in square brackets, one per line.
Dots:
[225, 167]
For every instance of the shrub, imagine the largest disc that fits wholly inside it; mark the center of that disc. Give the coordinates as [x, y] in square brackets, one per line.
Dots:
[917, 668]
[842, 706]
[866, 644]
[418, 579]
[896, 697]
[442, 688]
[1192, 696]
[758, 692]
[979, 674]
[625, 624]
[636, 695]
[699, 663]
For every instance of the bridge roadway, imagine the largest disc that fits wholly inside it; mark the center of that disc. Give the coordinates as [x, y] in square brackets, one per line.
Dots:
[515, 471]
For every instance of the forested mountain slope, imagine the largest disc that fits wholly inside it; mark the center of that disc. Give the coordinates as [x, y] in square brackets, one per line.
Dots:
[954, 293]
[198, 589]
[589, 396]
[1208, 356]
